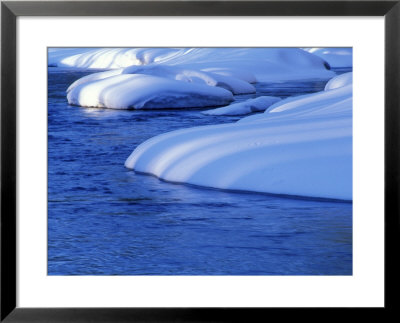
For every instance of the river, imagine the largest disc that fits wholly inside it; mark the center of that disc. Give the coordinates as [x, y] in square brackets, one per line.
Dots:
[104, 219]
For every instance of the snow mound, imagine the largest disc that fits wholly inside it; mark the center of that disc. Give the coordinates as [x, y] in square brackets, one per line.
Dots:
[231, 83]
[331, 104]
[264, 63]
[247, 64]
[89, 90]
[108, 58]
[94, 77]
[233, 72]
[57, 54]
[302, 147]
[253, 105]
[336, 57]
[339, 81]
[139, 91]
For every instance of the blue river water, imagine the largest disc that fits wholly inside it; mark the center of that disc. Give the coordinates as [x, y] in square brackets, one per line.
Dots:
[104, 219]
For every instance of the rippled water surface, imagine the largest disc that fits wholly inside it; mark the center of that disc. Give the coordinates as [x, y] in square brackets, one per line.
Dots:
[104, 219]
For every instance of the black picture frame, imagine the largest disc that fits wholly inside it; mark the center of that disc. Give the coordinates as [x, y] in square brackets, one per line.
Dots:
[10, 10]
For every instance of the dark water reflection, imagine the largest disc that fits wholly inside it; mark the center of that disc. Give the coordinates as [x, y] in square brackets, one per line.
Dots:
[106, 220]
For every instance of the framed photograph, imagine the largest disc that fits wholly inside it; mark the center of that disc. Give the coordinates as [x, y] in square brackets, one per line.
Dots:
[198, 160]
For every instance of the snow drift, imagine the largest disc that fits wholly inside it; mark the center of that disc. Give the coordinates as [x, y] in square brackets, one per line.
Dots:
[253, 105]
[300, 146]
[336, 57]
[339, 81]
[261, 64]
[139, 91]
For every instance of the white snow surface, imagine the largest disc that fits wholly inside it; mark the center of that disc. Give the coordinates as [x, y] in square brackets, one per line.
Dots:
[94, 77]
[339, 81]
[247, 64]
[336, 57]
[232, 69]
[241, 108]
[301, 146]
[235, 85]
[57, 54]
[107, 58]
[233, 72]
[140, 91]
[231, 83]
